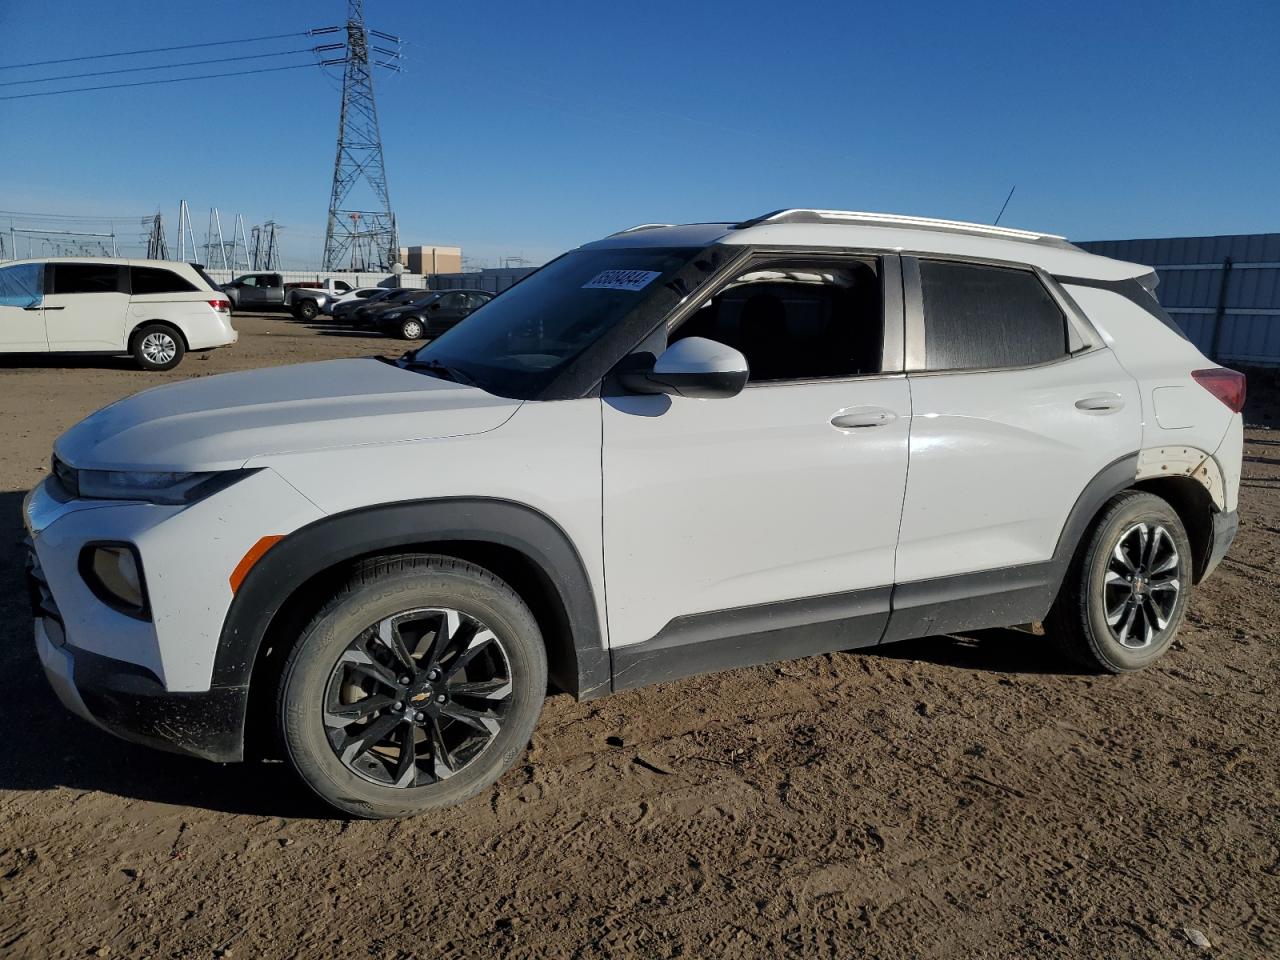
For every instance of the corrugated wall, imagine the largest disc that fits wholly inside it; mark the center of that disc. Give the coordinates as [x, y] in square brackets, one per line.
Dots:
[1240, 324]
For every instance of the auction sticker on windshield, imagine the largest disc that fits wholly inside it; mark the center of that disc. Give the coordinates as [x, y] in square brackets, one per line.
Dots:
[621, 280]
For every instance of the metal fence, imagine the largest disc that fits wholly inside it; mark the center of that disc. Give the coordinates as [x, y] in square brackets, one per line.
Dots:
[494, 280]
[1223, 291]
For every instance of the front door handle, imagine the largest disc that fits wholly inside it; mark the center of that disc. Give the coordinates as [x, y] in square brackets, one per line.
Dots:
[858, 418]
[1099, 403]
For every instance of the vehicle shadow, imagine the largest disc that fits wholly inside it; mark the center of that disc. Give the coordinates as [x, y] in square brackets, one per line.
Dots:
[1002, 650]
[51, 748]
[66, 361]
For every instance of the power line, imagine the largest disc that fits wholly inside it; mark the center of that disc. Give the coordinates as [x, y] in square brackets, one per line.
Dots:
[185, 46]
[161, 66]
[147, 83]
[68, 216]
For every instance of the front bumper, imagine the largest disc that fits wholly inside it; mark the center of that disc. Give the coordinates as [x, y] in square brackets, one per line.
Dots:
[127, 699]
[1225, 526]
[151, 679]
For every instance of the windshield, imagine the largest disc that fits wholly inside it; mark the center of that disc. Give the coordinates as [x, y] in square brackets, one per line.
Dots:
[517, 343]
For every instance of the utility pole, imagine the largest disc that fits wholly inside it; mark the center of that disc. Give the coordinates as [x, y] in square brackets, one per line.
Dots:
[358, 163]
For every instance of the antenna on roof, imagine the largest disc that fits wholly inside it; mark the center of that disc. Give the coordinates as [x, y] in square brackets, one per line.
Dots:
[1006, 204]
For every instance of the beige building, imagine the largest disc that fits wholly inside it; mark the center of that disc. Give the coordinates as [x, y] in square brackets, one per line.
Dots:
[426, 259]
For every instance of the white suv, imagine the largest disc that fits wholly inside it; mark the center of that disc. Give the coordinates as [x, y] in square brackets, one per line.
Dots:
[156, 310]
[675, 450]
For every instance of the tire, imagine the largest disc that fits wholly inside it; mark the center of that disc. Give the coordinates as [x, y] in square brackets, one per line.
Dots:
[306, 310]
[411, 329]
[1121, 604]
[157, 347]
[354, 757]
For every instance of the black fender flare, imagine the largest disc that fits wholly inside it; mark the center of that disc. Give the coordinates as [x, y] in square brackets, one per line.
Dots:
[343, 537]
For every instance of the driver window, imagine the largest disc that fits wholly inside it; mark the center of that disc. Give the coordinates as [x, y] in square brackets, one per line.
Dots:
[798, 320]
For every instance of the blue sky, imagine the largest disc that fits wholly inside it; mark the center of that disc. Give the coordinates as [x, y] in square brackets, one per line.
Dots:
[527, 128]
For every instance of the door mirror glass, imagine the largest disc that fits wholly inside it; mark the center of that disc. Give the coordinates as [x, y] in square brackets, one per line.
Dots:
[693, 367]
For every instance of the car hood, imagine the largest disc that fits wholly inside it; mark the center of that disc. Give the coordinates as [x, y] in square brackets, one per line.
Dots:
[221, 422]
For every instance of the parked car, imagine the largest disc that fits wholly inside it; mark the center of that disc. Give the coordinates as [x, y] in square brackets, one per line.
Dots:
[268, 291]
[360, 295]
[429, 316]
[383, 562]
[342, 311]
[155, 310]
[362, 316]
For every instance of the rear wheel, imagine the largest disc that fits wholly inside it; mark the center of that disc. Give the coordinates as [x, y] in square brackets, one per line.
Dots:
[411, 329]
[415, 687]
[1125, 593]
[157, 347]
[306, 310]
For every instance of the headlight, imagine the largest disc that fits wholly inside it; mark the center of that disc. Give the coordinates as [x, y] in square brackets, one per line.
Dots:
[391, 315]
[164, 487]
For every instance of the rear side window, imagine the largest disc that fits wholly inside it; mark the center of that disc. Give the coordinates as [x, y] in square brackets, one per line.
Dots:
[157, 280]
[978, 317]
[86, 278]
[213, 284]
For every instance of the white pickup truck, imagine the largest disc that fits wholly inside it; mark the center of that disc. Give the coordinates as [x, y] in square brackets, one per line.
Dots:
[268, 291]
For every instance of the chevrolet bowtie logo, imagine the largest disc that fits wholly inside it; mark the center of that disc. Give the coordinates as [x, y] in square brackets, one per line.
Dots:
[419, 697]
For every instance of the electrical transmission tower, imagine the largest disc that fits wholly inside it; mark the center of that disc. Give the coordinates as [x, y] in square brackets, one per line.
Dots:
[157, 247]
[361, 234]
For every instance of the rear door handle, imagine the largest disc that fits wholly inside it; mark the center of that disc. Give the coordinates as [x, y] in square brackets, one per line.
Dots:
[858, 418]
[1100, 403]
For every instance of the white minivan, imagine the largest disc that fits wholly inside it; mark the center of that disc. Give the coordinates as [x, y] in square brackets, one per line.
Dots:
[155, 310]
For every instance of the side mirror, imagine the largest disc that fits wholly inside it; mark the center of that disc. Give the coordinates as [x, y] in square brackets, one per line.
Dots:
[692, 367]
[434, 306]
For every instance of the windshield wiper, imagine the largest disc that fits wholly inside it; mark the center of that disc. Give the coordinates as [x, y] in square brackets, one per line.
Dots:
[435, 366]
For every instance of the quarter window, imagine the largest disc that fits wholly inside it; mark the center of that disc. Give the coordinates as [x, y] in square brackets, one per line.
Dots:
[155, 280]
[86, 278]
[978, 317]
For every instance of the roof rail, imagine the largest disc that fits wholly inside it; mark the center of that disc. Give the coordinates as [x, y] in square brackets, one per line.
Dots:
[802, 215]
[641, 226]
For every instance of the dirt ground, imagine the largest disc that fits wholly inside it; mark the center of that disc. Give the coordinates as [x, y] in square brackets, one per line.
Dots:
[956, 797]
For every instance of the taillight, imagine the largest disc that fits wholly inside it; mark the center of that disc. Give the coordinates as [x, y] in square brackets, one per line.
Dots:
[222, 306]
[1226, 385]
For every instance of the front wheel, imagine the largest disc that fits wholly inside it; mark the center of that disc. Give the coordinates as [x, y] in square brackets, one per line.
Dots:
[1125, 593]
[157, 347]
[411, 329]
[415, 687]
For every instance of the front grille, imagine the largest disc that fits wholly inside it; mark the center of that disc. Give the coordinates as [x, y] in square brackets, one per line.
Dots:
[42, 602]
